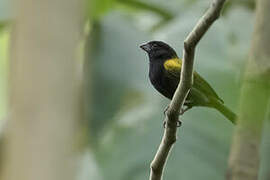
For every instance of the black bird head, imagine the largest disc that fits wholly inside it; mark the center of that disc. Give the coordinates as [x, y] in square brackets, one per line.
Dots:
[158, 50]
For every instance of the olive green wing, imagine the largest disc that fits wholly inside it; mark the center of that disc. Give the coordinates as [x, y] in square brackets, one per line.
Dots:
[173, 68]
[202, 85]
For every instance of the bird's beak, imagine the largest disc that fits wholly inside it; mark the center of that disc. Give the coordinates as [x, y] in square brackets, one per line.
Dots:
[145, 47]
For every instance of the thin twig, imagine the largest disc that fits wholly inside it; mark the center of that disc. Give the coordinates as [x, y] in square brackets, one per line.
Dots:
[171, 119]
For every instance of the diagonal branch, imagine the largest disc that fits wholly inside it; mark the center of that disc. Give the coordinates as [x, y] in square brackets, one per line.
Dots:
[183, 88]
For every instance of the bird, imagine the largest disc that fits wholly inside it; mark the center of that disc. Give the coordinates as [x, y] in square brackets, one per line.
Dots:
[164, 74]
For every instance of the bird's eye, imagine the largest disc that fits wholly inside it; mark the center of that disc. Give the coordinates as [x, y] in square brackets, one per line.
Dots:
[154, 45]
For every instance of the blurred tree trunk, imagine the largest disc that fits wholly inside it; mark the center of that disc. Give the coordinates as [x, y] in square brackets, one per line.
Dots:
[244, 158]
[44, 91]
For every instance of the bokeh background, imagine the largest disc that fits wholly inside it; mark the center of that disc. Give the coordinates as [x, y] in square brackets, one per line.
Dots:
[123, 118]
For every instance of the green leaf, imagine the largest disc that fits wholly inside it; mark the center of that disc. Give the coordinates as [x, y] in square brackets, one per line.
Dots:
[98, 8]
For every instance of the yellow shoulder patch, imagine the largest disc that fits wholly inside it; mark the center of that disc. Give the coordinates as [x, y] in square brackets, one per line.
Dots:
[173, 65]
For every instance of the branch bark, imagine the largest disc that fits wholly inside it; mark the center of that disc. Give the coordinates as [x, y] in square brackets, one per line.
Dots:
[171, 119]
[255, 95]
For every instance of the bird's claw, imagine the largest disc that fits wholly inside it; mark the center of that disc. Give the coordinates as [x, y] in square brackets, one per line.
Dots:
[178, 124]
[182, 111]
[164, 124]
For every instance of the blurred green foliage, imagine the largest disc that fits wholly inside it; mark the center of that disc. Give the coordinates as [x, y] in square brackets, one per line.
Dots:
[97, 8]
[126, 116]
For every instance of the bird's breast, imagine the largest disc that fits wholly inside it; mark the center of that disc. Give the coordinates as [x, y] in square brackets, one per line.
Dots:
[161, 82]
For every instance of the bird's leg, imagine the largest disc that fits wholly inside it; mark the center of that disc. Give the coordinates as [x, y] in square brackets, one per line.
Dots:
[184, 109]
[166, 109]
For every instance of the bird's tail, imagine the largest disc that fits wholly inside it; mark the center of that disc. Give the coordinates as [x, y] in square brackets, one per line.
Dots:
[225, 111]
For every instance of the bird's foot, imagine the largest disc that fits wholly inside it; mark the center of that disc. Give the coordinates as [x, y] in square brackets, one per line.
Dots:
[183, 110]
[178, 124]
